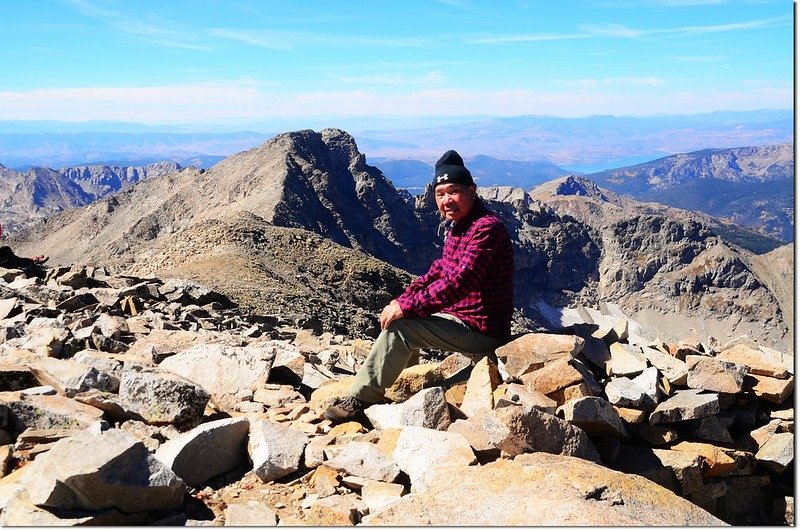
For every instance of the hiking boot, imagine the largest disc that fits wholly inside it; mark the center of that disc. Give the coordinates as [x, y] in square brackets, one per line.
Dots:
[346, 408]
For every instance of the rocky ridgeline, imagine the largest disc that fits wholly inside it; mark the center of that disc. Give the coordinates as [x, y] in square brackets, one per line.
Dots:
[130, 400]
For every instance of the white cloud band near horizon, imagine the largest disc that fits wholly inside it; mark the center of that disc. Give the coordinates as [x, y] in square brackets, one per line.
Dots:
[248, 102]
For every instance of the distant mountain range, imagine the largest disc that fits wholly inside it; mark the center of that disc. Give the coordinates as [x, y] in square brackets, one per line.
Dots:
[751, 186]
[39, 192]
[584, 145]
[414, 175]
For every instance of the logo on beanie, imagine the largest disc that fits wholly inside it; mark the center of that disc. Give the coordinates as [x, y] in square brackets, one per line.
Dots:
[450, 169]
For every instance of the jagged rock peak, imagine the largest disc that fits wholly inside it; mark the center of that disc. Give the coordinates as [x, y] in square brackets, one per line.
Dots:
[327, 145]
[575, 185]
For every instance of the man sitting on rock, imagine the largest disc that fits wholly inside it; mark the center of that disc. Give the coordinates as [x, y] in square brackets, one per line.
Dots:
[462, 304]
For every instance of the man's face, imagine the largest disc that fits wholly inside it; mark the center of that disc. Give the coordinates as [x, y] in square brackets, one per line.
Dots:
[454, 200]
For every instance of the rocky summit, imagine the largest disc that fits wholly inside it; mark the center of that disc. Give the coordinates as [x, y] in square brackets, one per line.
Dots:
[171, 362]
[679, 275]
[136, 400]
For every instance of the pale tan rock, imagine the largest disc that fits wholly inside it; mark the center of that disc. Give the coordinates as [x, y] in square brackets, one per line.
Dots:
[379, 495]
[613, 331]
[756, 361]
[253, 513]
[778, 452]
[623, 392]
[314, 453]
[717, 462]
[575, 391]
[413, 379]
[453, 364]
[532, 350]
[540, 489]
[223, 371]
[69, 377]
[6, 452]
[388, 440]
[274, 449]
[785, 414]
[277, 396]
[709, 373]
[165, 341]
[761, 435]
[529, 398]
[770, 388]
[336, 510]
[626, 360]
[21, 511]
[324, 480]
[96, 470]
[364, 459]
[350, 427]
[421, 453]
[455, 394]
[323, 396]
[553, 376]
[516, 429]
[631, 416]
[594, 415]
[673, 369]
[481, 386]
[220, 445]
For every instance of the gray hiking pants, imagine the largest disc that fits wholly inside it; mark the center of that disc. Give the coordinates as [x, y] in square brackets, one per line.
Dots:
[401, 342]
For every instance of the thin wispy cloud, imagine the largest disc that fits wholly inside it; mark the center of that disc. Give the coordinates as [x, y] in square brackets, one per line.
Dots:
[588, 31]
[149, 30]
[699, 58]
[622, 31]
[261, 39]
[516, 39]
[290, 40]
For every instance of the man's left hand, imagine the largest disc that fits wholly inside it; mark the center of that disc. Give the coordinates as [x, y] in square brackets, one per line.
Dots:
[390, 313]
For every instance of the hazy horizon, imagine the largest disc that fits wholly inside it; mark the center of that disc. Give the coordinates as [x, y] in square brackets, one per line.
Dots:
[184, 62]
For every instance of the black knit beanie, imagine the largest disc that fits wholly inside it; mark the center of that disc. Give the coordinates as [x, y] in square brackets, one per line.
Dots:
[450, 169]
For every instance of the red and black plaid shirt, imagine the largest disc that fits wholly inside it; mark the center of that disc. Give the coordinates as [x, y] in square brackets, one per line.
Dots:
[473, 280]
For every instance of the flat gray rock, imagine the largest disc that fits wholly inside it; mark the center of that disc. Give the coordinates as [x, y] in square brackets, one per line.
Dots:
[98, 470]
[596, 416]
[206, 451]
[161, 397]
[275, 449]
[689, 404]
[367, 460]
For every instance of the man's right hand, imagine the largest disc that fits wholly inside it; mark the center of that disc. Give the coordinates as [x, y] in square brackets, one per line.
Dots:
[390, 313]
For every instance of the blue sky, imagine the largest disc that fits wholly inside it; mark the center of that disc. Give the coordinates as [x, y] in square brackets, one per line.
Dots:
[223, 61]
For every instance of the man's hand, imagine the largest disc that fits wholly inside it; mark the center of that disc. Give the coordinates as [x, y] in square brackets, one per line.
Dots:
[390, 313]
